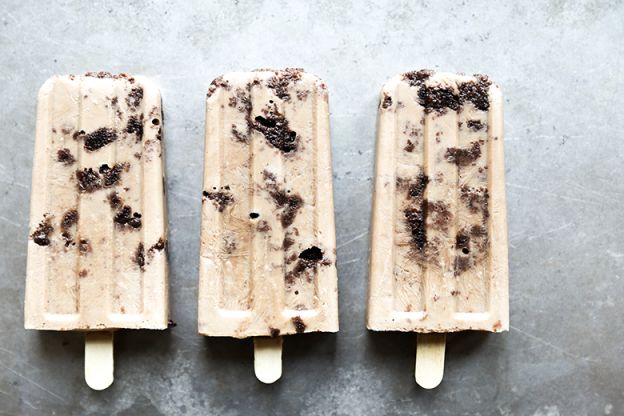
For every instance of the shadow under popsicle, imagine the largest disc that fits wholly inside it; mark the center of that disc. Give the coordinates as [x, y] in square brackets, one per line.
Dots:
[297, 349]
[64, 351]
[396, 349]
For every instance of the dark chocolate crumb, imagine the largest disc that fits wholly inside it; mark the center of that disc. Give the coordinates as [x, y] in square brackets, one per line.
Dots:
[112, 176]
[308, 258]
[463, 157]
[65, 157]
[41, 235]
[274, 332]
[229, 244]
[238, 136]
[115, 101]
[78, 134]
[471, 244]
[437, 98]
[263, 226]
[135, 125]
[244, 101]
[253, 215]
[83, 273]
[125, 217]
[415, 188]
[462, 263]
[84, 246]
[475, 125]
[287, 243]
[66, 235]
[289, 203]
[104, 74]
[478, 231]
[134, 97]
[160, 245]
[312, 254]
[218, 82]
[386, 101]
[139, 256]
[114, 200]
[99, 138]
[416, 78]
[219, 199]
[409, 147]
[462, 242]
[415, 219]
[439, 215]
[88, 180]
[280, 82]
[291, 258]
[476, 92]
[269, 177]
[299, 325]
[69, 218]
[455, 292]
[476, 199]
[416, 215]
[275, 129]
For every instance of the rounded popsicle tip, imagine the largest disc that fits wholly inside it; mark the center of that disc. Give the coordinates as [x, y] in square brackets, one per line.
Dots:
[99, 383]
[268, 359]
[429, 381]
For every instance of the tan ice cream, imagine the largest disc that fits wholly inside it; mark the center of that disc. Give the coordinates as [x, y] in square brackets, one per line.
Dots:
[268, 250]
[97, 250]
[438, 259]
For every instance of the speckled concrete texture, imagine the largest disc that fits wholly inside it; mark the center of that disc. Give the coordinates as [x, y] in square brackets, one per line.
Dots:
[560, 64]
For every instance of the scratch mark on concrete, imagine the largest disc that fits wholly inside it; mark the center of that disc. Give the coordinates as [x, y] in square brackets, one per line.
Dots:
[554, 194]
[354, 239]
[34, 383]
[552, 346]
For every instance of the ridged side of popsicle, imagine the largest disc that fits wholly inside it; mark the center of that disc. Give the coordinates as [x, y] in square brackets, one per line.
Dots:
[98, 233]
[438, 260]
[268, 250]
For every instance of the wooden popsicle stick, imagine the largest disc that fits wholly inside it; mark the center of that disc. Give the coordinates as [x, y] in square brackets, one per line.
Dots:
[268, 359]
[99, 362]
[430, 359]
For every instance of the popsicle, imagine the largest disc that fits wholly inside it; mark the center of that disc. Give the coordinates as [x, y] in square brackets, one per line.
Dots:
[438, 260]
[268, 249]
[98, 231]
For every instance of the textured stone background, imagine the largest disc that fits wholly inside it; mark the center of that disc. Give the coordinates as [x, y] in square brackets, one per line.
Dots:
[560, 64]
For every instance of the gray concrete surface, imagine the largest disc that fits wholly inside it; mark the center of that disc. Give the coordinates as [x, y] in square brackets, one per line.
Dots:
[560, 64]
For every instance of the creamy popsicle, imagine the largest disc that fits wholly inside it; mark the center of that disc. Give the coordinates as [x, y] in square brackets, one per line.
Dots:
[97, 250]
[438, 259]
[268, 250]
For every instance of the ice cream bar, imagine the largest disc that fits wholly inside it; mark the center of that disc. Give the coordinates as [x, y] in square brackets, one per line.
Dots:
[268, 250]
[97, 248]
[438, 260]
